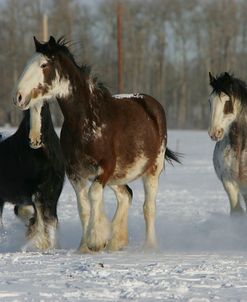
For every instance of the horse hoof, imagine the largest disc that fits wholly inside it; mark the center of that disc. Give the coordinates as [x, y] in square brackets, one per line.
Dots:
[237, 212]
[97, 248]
[117, 246]
[83, 250]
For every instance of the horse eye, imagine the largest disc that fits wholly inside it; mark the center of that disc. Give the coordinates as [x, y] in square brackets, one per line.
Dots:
[44, 65]
[228, 108]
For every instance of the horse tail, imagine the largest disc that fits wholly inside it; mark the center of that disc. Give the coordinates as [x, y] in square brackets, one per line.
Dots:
[171, 156]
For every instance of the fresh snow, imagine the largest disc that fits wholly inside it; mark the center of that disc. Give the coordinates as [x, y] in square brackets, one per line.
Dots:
[128, 96]
[202, 250]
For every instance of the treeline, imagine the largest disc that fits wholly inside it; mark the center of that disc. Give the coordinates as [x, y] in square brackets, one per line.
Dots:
[169, 46]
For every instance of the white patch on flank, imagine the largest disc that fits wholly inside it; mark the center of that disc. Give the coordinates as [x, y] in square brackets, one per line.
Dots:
[132, 172]
[128, 96]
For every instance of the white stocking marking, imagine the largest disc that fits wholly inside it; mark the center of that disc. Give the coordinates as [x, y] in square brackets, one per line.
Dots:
[120, 220]
[99, 230]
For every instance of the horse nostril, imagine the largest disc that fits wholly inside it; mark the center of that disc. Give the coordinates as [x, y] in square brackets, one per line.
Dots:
[19, 98]
[219, 132]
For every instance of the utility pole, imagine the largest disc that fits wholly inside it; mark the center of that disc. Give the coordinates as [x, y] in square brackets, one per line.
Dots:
[45, 27]
[45, 30]
[120, 45]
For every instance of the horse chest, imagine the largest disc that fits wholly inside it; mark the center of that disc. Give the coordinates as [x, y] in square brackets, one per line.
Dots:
[79, 163]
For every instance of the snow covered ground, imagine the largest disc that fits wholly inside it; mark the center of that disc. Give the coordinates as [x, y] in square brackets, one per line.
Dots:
[202, 250]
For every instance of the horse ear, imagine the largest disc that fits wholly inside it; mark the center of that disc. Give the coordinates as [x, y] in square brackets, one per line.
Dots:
[211, 78]
[38, 45]
[227, 75]
[52, 41]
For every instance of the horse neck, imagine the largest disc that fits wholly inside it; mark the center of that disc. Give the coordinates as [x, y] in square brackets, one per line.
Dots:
[76, 103]
[82, 103]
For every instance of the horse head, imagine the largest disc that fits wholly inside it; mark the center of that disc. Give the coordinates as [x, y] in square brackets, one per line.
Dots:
[42, 78]
[224, 105]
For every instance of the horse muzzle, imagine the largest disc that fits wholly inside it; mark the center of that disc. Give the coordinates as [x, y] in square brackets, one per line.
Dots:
[21, 101]
[216, 135]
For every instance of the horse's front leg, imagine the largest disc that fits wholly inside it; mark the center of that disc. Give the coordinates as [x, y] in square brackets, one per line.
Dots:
[42, 228]
[99, 231]
[232, 190]
[120, 221]
[83, 205]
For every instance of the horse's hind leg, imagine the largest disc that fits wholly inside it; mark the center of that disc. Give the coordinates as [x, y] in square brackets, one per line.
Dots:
[120, 221]
[151, 181]
[232, 190]
[149, 208]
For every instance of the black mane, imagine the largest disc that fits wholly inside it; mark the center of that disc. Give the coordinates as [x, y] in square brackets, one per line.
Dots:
[53, 47]
[230, 85]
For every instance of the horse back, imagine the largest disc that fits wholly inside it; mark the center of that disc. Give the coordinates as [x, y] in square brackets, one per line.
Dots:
[139, 118]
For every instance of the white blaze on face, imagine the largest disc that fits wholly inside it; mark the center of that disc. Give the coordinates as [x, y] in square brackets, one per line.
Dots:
[219, 121]
[30, 79]
[31, 87]
[35, 126]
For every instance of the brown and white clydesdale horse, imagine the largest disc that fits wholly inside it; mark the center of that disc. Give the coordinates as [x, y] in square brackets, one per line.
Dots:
[109, 140]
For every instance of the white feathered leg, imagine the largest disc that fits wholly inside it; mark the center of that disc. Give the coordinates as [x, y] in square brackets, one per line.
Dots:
[232, 190]
[151, 181]
[120, 221]
[99, 231]
[83, 205]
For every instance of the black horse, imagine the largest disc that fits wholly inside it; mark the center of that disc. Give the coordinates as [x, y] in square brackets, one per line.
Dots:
[33, 177]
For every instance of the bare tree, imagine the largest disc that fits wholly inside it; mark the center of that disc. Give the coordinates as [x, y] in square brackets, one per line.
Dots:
[169, 46]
